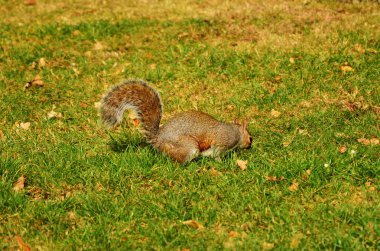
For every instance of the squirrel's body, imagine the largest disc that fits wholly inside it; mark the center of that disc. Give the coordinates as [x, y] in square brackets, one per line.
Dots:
[185, 136]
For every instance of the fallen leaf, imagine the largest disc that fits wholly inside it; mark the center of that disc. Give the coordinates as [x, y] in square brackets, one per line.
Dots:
[37, 81]
[371, 50]
[271, 178]
[267, 246]
[307, 174]
[25, 126]
[214, 172]
[41, 62]
[359, 48]
[274, 178]
[275, 114]
[306, 104]
[19, 185]
[242, 164]
[83, 105]
[152, 66]
[373, 141]
[342, 149]
[233, 234]
[2, 136]
[193, 224]
[295, 240]
[182, 35]
[278, 78]
[76, 33]
[286, 144]
[294, 186]
[292, 60]
[32, 66]
[22, 245]
[98, 46]
[372, 188]
[346, 68]
[30, 2]
[53, 114]
[71, 215]
[88, 54]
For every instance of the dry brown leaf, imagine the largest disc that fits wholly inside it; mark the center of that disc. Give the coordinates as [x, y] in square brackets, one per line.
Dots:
[346, 68]
[25, 126]
[194, 224]
[19, 185]
[2, 136]
[306, 174]
[267, 246]
[274, 178]
[372, 189]
[214, 172]
[292, 60]
[294, 186]
[41, 62]
[30, 2]
[32, 66]
[271, 178]
[22, 245]
[342, 149]
[295, 240]
[278, 78]
[359, 48]
[275, 114]
[242, 164]
[371, 50]
[76, 33]
[233, 234]
[53, 114]
[98, 46]
[37, 81]
[373, 141]
[286, 144]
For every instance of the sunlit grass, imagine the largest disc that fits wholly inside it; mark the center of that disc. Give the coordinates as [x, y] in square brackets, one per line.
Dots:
[280, 65]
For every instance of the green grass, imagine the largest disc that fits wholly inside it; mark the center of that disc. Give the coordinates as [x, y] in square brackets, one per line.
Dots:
[89, 189]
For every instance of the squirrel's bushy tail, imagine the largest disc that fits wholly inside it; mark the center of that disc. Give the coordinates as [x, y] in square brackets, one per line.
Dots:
[137, 96]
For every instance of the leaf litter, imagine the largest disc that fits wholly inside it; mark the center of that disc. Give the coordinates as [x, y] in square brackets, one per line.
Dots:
[19, 185]
[242, 164]
[36, 81]
[194, 224]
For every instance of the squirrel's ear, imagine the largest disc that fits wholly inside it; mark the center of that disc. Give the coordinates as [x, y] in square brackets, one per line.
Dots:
[244, 125]
[236, 121]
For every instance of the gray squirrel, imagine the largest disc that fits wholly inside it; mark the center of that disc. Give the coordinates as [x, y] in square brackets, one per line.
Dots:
[184, 137]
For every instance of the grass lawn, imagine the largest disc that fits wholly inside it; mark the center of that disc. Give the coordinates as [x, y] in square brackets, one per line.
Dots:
[306, 75]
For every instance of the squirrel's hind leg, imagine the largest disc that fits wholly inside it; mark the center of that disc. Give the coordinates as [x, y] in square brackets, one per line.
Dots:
[182, 151]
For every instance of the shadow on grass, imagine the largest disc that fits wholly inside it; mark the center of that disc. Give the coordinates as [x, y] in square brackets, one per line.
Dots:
[120, 143]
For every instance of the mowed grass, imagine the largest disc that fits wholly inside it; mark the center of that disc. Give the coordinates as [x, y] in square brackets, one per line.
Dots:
[304, 73]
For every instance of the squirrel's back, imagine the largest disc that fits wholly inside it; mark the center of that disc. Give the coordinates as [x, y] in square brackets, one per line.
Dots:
[203, 128]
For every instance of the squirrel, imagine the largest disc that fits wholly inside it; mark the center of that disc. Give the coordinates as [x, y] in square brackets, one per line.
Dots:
[184, 137]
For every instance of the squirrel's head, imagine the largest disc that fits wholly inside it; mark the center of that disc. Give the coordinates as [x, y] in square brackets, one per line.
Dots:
[245, 138]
